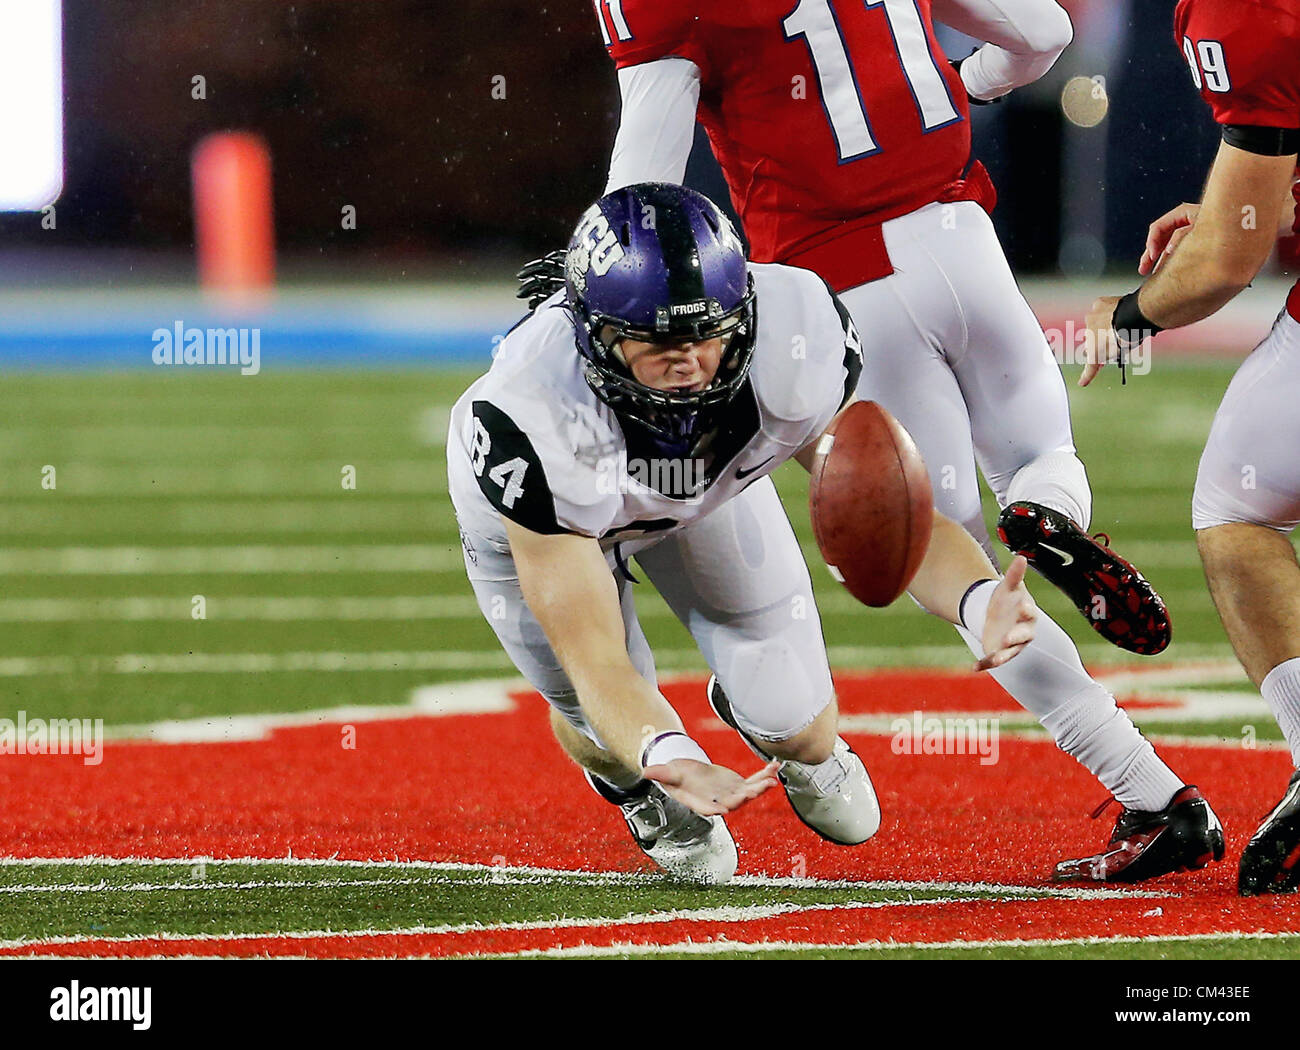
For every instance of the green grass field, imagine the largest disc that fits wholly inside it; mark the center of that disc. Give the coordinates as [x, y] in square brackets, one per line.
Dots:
[135, 500]
[229, 488]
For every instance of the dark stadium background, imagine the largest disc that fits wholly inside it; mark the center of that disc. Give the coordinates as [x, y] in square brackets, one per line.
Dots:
[386, 105]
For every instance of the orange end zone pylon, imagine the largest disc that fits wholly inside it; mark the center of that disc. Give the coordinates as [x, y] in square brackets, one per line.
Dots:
[233, 227]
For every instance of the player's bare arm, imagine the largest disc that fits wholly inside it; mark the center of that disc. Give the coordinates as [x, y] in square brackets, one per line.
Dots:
[1222, 247]
[954, 564]
[1167, 232]
[569, 588]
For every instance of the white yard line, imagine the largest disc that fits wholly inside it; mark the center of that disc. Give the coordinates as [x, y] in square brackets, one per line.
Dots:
[164, 607]
[542, 874]
[83, 560]
[204, 885]
[361, 512]
[243, 477]
[460, 698]
[1185, 672]
[115, 561]
[846, 657]
[177, 607]
[254, 663]
[481, 661]
[228, 608]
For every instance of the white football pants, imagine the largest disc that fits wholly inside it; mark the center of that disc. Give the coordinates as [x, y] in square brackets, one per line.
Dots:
[1250, 470]
[952, 349]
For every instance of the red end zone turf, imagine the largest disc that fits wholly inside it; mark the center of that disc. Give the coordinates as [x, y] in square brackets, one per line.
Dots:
[495, 789]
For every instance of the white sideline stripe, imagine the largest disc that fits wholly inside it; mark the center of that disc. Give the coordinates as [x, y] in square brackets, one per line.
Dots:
[616, 877]
[125, 561]
[201, 884]
[723, 914]
[728, 913]
[177, 958]
[723, 947]
[460, 698]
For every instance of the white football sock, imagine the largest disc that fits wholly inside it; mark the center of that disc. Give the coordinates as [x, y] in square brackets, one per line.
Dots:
[1281, 688]
[1056, 480]
[1048, 680]
[1105, 741]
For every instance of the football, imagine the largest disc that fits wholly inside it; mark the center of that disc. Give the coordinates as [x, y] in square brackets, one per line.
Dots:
[870, 502]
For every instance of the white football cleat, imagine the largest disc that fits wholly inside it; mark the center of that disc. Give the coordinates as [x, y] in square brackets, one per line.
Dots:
[680, 841]
[835, 799]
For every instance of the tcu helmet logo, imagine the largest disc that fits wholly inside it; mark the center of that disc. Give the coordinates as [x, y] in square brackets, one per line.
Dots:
[595, 248]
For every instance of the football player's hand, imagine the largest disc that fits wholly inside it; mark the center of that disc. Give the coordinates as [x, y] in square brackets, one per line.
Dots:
[541, 278]
[1009, 624]
[1100, 345]
[707, 789]
[1165, 234]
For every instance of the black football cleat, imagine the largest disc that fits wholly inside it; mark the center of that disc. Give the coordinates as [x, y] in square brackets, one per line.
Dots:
[1112, 595]
[1184, 836]
[1270, 862]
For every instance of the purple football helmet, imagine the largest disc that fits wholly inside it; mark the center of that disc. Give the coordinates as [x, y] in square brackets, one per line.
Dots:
[659, 263]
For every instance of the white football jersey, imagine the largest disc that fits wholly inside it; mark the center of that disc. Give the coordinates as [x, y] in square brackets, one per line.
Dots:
[531, 441]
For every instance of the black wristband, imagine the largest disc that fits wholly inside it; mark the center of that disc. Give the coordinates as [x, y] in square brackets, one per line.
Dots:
[1130, 324]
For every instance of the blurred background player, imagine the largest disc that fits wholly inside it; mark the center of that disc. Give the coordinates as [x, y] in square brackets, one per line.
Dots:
[559, 467]
[876, 190]
[1245, 61]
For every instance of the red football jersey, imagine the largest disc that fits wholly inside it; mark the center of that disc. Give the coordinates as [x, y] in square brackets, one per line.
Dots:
[828, 117]
[1245, 61]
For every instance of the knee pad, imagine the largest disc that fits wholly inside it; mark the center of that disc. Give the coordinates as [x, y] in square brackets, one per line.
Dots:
[774, 690]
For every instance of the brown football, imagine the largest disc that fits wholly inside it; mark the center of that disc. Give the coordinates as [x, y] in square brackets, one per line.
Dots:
[872, 510]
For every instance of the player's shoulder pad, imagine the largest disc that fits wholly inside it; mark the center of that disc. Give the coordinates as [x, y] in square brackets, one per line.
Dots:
[637, 31]
[509, 471]
[810, 348]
